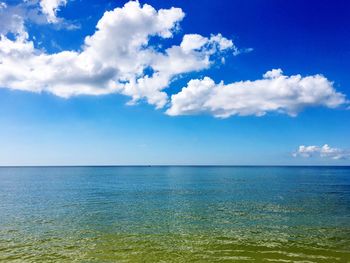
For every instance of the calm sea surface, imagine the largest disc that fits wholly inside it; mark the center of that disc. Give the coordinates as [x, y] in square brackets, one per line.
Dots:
[175, 214]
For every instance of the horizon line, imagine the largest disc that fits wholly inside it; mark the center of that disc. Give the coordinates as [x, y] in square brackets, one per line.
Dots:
[174, 165]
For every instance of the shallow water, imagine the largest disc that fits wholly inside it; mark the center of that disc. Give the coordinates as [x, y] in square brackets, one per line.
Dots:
[175, 214]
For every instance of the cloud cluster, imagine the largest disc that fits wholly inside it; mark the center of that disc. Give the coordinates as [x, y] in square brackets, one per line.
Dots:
[274, 93]
[324, 151]
[117, 58]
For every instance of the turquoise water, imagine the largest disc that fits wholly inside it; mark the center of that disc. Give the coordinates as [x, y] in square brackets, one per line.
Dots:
[175, 214]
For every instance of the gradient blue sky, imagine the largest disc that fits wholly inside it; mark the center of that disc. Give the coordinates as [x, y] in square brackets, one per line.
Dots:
[300, 37]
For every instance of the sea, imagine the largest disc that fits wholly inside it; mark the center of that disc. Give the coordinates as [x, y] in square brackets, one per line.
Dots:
[175, 214]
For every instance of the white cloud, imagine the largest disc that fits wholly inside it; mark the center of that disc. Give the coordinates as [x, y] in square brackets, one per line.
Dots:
[117, 58]
[217, 42]
[11, 19]
[192, 42]
[50, 8]
[324, 151]
[274, 93]
[14, 17]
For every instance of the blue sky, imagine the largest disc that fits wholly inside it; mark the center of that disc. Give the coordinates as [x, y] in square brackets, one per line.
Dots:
[57, 114]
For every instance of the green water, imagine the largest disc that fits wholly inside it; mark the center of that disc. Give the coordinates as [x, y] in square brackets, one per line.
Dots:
[175, 214]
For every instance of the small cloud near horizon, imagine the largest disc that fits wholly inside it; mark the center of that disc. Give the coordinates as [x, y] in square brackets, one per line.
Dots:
[324, 151]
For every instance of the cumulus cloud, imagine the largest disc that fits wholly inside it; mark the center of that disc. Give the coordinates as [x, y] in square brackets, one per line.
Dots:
[274, 93]
[324, 151]
[117, 58]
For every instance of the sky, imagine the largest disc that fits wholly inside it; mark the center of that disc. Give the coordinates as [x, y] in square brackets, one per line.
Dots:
[229, 82]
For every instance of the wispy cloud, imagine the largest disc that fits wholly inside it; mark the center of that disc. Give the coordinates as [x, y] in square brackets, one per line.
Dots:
[14, 17]
[324, 151]
[50, 8]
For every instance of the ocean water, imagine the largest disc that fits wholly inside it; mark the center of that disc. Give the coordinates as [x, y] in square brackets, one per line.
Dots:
[175, 214]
